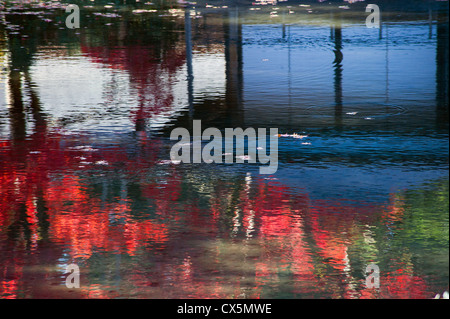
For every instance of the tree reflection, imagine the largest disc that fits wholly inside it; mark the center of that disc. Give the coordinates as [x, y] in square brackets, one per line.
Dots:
[146, 226]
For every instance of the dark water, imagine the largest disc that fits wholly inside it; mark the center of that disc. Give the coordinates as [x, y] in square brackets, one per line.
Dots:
[86, 178]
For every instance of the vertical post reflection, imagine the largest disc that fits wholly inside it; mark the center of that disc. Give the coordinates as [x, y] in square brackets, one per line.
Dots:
[21, 56]
[442, 66]
[337, 63]
[332, 24]
[289, 78]
[233, 69]
[387, 65]
[430, 22]
[190, 74]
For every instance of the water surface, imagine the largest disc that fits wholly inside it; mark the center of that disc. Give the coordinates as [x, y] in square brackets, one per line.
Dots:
[86, 178]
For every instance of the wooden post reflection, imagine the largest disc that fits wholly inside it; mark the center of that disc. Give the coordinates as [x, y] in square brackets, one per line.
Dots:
[16, 108]
[430, 22]
[233, 69]
[337, 63]
[380, 29]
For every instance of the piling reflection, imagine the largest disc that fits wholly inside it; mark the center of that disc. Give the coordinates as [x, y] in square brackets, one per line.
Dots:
[110, 201]
[337, 63]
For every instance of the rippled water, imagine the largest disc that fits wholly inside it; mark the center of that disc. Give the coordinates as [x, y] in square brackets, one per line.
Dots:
[86, 178]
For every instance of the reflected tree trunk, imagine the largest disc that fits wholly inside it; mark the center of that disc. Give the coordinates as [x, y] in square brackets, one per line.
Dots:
[430, 22]
[40, 119]
[21, 55]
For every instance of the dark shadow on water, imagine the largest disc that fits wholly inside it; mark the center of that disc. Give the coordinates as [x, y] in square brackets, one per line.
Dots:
[366, 183]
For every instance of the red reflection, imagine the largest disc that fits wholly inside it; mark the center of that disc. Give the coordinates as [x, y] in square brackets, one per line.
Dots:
[404, 286]
[148, 76]
[246, 237]
[286, 228]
